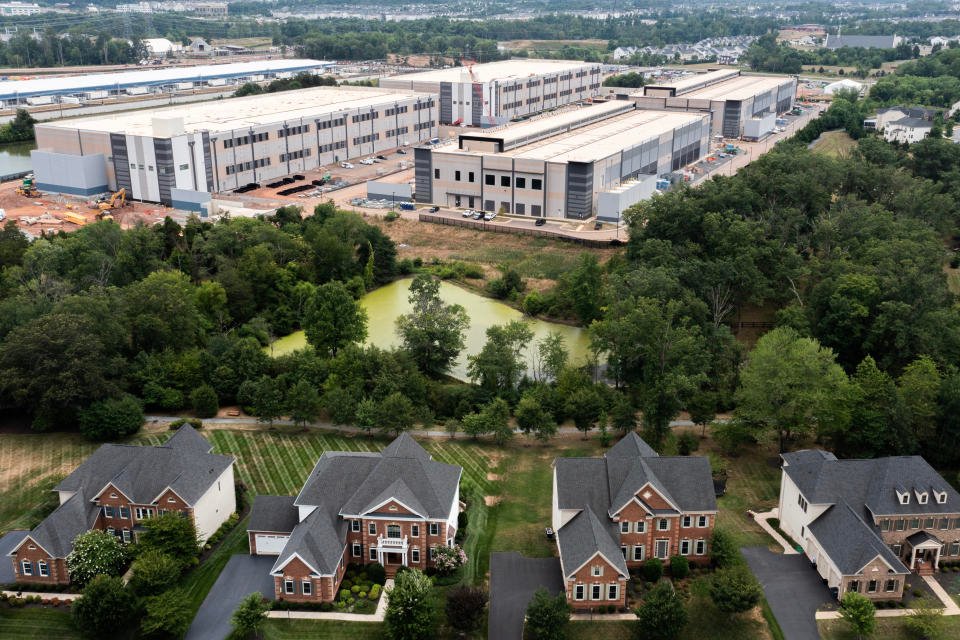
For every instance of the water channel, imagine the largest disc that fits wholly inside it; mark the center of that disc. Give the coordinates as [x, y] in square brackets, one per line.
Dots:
[383, 305]
[15, 157]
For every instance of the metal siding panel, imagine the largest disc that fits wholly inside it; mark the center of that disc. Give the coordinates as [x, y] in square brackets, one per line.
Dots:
[166, 175]
[121, 160]
[446, 103]
[207, 164]
[423, 171]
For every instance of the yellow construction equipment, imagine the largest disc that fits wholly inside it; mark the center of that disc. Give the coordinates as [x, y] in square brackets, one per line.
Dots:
[103, 215]
[117, 200]
[27, 189]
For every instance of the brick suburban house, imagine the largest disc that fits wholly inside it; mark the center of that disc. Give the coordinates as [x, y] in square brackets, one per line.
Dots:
[612, 513]
[119, 487]
[866, 524]
[394, 507]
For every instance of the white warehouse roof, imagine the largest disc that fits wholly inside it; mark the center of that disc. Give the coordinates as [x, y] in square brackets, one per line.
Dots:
[10, 89]
[241, 113]
[502, 70]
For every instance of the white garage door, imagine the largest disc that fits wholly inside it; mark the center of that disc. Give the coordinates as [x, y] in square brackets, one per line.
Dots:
[269, 545]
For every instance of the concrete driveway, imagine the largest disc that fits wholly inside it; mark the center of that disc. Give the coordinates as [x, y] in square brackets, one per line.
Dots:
[793, 589]
[513, 579]
[7, 543]
[243, 575]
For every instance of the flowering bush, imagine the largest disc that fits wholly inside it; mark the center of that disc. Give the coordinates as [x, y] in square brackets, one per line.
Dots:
[94, 553]
[448, 559]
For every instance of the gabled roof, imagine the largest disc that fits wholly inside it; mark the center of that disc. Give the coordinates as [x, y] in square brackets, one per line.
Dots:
[822, 479]
[631, 446]
[866, 42]
[319, 541]
[913, 123]
[58, 530]
[585, 536]
[273, 513]
[850, 542]
[183, 464]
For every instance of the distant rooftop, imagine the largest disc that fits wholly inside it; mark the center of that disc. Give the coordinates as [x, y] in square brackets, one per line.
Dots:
[697, 80]
[601, 138]
[502, 70]
[738, 88]
[242, 113]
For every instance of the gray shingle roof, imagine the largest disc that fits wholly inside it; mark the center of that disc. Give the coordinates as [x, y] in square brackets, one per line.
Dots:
[142, 473]
[583, 537]
[866, 42]
[344, 484]
[916, 123]
[871, 483]
[850, 542]
[57, 531]
[319, 540]
[601, 486]
[273, 513]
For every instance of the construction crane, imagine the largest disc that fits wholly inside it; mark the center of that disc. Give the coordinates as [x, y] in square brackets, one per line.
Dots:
[26, 187]
[469, 66]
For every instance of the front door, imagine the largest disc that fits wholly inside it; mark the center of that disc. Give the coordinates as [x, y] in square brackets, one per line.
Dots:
[394, 558]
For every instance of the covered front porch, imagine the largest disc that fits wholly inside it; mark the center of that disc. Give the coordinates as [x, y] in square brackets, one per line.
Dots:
[392, 553]
[924, 549]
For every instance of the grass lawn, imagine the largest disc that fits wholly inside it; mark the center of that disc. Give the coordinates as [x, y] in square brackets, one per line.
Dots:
[887, 629]
[42, 624]
[836, 144]
[313, 630]
[508, 490]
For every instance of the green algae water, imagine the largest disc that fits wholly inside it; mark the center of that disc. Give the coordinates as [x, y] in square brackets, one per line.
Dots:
[385, 304]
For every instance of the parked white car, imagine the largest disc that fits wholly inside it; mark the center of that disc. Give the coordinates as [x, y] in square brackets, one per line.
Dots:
[346, 165]
[367, 161]
[468, 213]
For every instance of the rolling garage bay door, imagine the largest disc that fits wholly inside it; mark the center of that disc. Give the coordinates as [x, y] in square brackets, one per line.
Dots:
[270, 545]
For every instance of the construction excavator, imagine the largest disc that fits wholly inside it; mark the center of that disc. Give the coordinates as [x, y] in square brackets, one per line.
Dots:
[117, 200]
[26, 187]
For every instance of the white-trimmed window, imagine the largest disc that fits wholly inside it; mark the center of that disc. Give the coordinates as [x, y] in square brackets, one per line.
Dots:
[414, 531]
[854, 586]
[124, 512]
[431, 553]
[355, 549]
[26, 569]
[171, 499]
[954, 549]
[802, 503]
[596, 591]
[613, 591]
[373, 553]
[623, 552]
[307, 587]
[144, 513]
[125, 534]
[107, 511]
[111, 531]
[372, 528]
[355, 526]
[684, 547]
[579, 592]
[703, 521]
[700, 548]
[415, 555]
[638, 553]
[641, 526]
[625, 527]
[42, 568]
[872, 586]
[596, 570]
[891, 586]
[394, 532]
[897, 549]
[434, 528]
[663, 524]
[288, 587]
[686, 522]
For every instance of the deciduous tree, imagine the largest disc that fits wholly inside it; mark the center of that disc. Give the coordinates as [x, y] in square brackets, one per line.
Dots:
[334, 319]
[433, 332]
[859, 612]
[95, 553]
[105, 607]
[548, 616]
[409, 613]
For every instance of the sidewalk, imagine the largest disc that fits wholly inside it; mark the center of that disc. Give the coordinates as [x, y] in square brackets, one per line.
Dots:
[950, 606]
[762, 518]
[376, 616]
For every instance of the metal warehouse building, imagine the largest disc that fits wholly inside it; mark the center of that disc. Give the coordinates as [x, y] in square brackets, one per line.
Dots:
[494, 93]
[740, 106]
[178, 155]
[558, 165]
[100, 85]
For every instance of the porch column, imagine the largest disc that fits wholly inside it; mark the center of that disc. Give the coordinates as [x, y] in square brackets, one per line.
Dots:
[936, 559]
[403, 557]
[913, 557]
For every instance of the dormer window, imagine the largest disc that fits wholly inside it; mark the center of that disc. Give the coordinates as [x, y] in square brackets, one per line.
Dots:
[903, 496]
[940, 496]
[922, 497]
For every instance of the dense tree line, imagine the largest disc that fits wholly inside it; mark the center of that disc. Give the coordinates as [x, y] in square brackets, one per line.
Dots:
[766, 54]
[302, 80]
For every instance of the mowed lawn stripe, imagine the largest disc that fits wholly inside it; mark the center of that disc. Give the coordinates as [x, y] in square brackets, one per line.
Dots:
[468, 460]
[291, 473]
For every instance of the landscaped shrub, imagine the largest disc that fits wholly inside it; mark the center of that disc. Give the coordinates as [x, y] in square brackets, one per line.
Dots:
[355, 589]
[679, 567]
[204, 401]
[347, 583]
[344, 594]
[449, 559]
[653, 569]
[374, 592]
[376, 573]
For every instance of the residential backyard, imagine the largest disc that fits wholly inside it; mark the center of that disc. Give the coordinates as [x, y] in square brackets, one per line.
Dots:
[508, 491]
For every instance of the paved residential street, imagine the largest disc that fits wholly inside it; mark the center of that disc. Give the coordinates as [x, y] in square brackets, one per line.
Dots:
[243, 575]
[793, 589]
[7, 543]
[513, 579]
